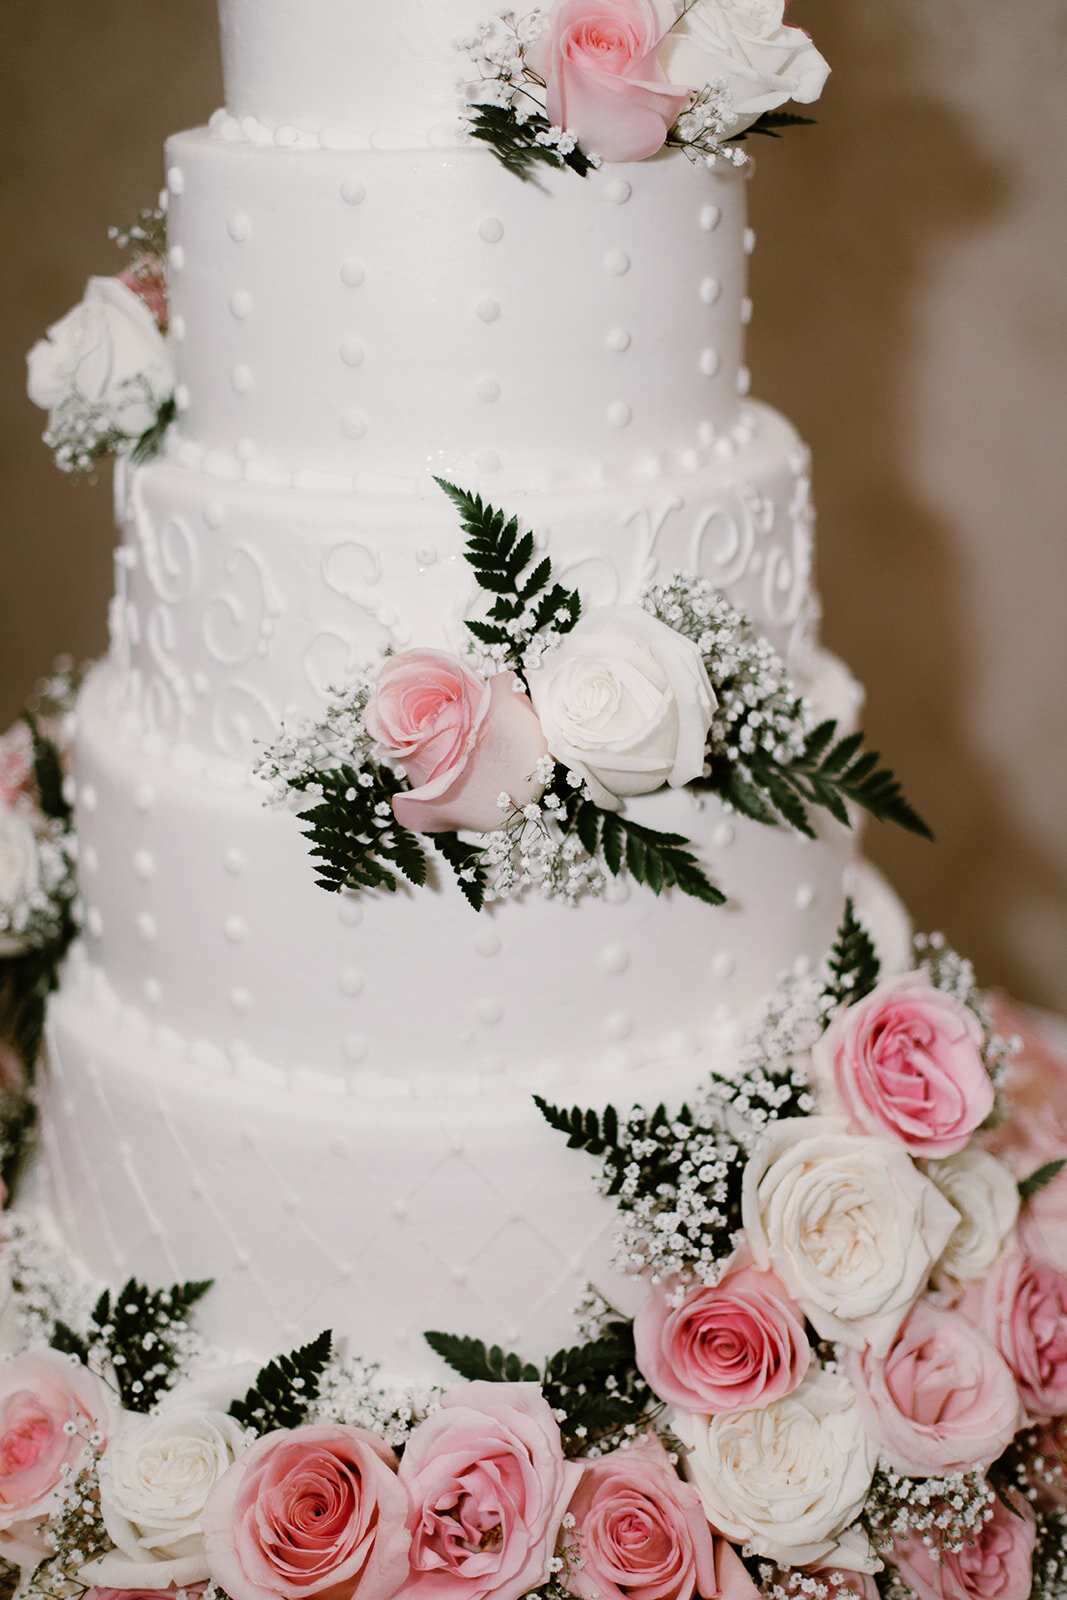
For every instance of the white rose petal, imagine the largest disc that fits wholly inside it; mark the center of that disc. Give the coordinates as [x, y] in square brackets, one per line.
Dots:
[19, 878]
[787, 1479]
[109, 352]
[624, 702]
[986, 1197]
[155, 1477]
[849, 1223]
[746, 45]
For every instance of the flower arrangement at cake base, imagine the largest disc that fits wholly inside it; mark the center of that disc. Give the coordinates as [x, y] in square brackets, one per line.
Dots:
[848, 1375]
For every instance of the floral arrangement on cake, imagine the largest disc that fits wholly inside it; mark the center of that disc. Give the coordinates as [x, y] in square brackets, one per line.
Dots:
[37, 892]
[848, 1376]
[559, 717]
[579, 82]
[104, 372]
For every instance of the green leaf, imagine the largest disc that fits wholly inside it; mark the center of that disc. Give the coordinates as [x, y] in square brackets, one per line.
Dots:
[474, 1362]
[68, 1343]
[142, 1331]
[47, 772]
[284, 1389]
[515, 143]
[771, 123]
[660, 860]
[853, 962]
[1040, 1178]
[466, 862]
[354, 837]
[584, 1129]
[150, 443]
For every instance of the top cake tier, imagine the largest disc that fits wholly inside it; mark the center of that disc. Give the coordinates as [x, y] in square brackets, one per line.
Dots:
[387, 70]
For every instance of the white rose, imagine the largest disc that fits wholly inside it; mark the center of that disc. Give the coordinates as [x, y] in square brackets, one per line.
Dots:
[109, 352]
[787, 1479]
[155, 1476]
[624, 702]
[19, 877]
[746, 45]
[849, 1224]
[986, 1196]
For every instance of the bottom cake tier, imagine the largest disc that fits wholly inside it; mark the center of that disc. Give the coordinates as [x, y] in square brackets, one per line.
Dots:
[313, 1207]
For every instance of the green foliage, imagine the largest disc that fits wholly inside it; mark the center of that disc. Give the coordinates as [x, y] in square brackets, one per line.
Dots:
[283, 1390]
[660, 860]
[527, 600]
[585, 1130]
[355, 839]
[828, 773]
[139, 1335]
[853, 961]
[515, 144]
[1040, 1178]
[771, 123]
[466, 862]
[150, 443]
[47, 773]
[597, 1384]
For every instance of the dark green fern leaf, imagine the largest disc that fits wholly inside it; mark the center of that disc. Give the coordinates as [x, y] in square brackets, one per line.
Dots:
[771, 124]
[477, 1363]
[47, 772]
[353, 835]
[466, 862]
[853, 962]
[515, 144]
[149, 444]
[284, 1389]
[584, 1129]
[1040, 1179]
[142, 1332]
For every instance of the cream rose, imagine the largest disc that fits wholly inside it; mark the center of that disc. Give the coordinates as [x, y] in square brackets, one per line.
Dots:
[108, 351]
[19, 877]
[849, 1224]
[986, 1196]
[746, 45]
[787, 1479]
[155, 1477]
[624, 702]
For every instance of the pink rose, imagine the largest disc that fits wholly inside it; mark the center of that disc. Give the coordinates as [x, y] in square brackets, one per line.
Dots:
[732, 1347]
[461, 741]
[41, 1392]
[488, 1487]
[1022, 1308]
[148, 280]
[642, 1534]
[835, 1583]
[16, 764]
[190, 1589]
[906, 1063]
[309, 1511]
[602, 80]
[941, 1400]
[995, 1566]
[1033, 1131]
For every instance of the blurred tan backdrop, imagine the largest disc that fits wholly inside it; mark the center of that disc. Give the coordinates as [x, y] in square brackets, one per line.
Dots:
[910, 286]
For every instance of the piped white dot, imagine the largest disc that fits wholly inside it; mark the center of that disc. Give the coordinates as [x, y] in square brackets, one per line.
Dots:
[144, 797]
[353, 273]
[235, 929]
[353, 352]
[353, 191]
[181, 397]
[146, 927]
[239, 227]
[723, 964]
[144, 864]
[240, 1001]
[488, 310]
[802, 966]
[234, 862]
[175, 180]
[804, 896]
[240, 304]
[490, 1012]
[618, 339]
[617, 262]
[351, 981]
[353, 424]
[177, 329]
[176, 257]
[491, 230]
[214, 513]
[748, 241]
[355, 1047]
[242, 380]
[710, 289]
[89, 859]
[723, 836]
[87, 797]
[152, 991]
[746, 311]
[618, 1026]
[350, 911]
[619, 414]
[710, 217]
[744, 380]
[94, 922]
[615, 958]
[487, 389]
[487, 943]
[709, 362]
[487, 461]
[619, 191]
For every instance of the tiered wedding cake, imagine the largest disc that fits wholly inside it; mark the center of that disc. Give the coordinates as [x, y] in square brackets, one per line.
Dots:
[324, 1102]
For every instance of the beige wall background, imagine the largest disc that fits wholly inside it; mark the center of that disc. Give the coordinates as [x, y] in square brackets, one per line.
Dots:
[910, 286]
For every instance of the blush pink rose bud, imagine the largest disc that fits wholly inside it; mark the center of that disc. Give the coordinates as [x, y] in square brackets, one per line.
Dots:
[942, 1399]
[461, 741]
[309, 1511]
[731, 1347]
[906, 1064]
[995, 1566]
[41, 1392]
[16, 764]
[602, 79]
[148, 280]
[1022, 1308]
[488, 1486]
[642, 1534]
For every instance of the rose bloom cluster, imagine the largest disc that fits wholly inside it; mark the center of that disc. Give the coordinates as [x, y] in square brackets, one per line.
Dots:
[21, 825]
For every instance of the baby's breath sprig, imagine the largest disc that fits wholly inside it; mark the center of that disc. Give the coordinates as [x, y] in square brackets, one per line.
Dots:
[75, 1532]
[505, 110]
[954, 975]
[352, 1392]
[946, 1513]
